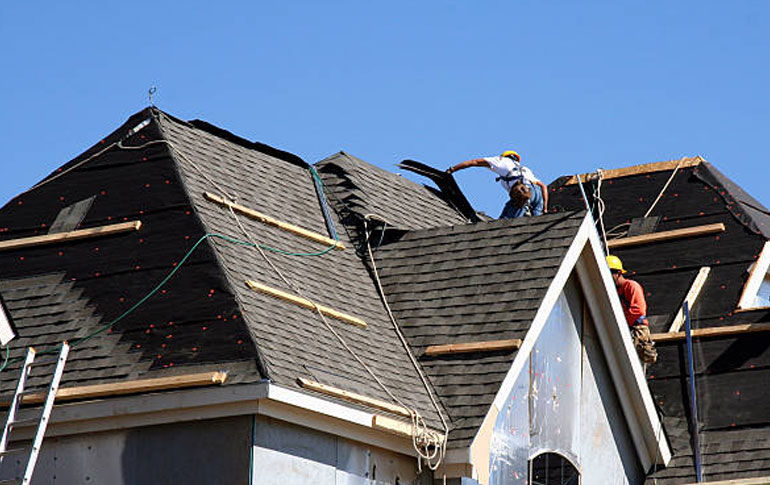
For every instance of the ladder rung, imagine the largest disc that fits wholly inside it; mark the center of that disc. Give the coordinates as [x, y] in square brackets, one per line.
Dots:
[13, 451]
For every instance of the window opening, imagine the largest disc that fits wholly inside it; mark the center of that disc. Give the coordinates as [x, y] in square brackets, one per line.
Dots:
[552, 469]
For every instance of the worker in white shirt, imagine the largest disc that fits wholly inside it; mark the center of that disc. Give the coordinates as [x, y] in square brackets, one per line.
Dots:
[527, 195]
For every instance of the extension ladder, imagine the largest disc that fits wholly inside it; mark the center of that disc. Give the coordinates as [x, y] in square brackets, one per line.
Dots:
[42, 420]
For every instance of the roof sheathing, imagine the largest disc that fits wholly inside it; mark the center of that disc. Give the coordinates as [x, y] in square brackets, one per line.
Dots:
[472, 283]
[294, 341]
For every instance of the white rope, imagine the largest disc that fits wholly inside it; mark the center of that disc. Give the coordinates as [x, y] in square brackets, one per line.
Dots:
[601, 207]
[406, 345]
[664, 188]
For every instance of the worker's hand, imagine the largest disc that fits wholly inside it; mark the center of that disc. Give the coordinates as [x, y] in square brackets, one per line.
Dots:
[450, 170]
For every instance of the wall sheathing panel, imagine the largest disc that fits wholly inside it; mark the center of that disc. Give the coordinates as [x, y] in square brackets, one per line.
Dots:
[564, 402]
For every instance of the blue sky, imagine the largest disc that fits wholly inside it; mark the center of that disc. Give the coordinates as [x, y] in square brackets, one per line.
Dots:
[573, 86]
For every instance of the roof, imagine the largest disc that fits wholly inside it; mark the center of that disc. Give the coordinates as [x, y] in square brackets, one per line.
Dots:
[730, 371]
[472, 283]
[155, 169]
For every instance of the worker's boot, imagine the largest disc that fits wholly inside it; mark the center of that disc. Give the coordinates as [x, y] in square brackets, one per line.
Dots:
[645, 347]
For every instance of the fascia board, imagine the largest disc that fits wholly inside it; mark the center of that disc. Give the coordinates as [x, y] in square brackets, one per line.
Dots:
[751, 288]
[263, 398]
[541, 316]
[626, 370]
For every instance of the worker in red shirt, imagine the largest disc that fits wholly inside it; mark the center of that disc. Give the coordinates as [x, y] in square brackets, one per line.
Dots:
[631, 296]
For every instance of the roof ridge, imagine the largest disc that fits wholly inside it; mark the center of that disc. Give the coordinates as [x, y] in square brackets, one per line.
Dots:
[642, 168]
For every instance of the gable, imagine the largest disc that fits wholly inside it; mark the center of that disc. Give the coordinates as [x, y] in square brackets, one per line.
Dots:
[585, 260]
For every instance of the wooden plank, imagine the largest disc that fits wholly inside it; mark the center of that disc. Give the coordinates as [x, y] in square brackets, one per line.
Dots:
[641, 169]
[758, 272]
[666, 235]
[305, 303]
[354, 398]
[127, 387]
[398, 427]
[285, 226]
[712, 332]
[62, 237]
[485, 346]
[690, 298]
[739, 481]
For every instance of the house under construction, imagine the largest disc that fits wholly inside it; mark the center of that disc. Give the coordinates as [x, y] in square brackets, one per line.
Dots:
[234, 314]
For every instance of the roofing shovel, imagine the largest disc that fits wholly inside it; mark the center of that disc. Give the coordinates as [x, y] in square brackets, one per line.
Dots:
[446, 183]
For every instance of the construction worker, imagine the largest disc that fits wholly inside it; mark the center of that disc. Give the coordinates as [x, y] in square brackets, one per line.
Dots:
[631, 296]
[527, 195]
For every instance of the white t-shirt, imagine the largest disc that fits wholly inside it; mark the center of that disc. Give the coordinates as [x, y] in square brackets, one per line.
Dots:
[506, 167]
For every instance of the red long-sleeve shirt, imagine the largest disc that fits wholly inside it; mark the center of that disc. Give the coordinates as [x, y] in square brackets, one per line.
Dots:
[634, 305]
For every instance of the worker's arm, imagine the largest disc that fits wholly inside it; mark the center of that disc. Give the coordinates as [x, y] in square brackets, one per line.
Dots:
[637, 306]
[544, 188]
[476, 162]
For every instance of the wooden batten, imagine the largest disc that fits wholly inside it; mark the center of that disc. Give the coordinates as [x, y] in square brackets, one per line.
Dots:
[285, 226]
[757, 274]
[712, 332]
[305, 303]
[666, 235]
[62, 237]
[486, 346]
[353, 397]
[127, 387]
[641, 169]
[398, 427]
[692, 296]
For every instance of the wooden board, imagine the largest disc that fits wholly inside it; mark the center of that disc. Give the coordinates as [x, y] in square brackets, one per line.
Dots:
[127, 387]
[642, 169]
[666, 235]
[486, 346]
[712, 332]
[354, 398]
[305, 303]
[397, 427]
[690, 298]
[285, 226]
[739, 481]
[758, 272]
[62, 237]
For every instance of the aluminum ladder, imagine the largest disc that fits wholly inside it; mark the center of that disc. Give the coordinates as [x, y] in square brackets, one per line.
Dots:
[42, 420]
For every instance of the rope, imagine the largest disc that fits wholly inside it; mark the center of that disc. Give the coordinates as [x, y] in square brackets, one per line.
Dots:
[664, 188]
[600, 206]
[432, 466]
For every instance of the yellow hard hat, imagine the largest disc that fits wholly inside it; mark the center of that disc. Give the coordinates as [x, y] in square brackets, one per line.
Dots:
[615, 264]
[511, 153]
